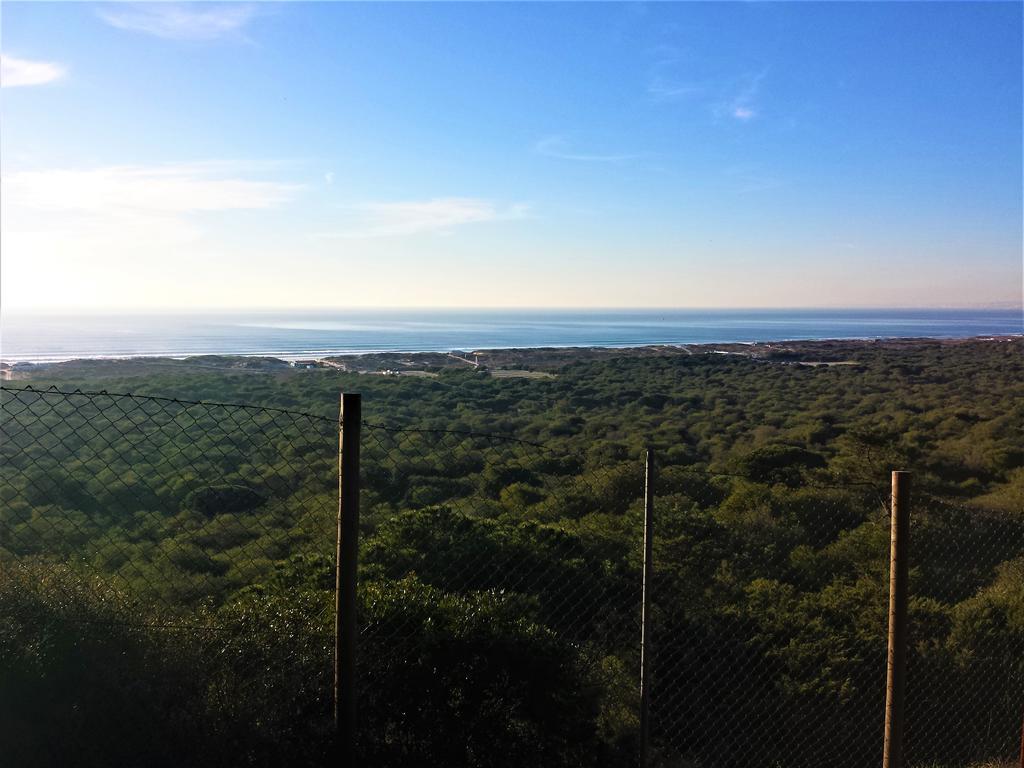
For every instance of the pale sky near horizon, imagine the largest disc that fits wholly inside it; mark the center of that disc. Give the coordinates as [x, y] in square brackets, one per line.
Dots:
[505, 155]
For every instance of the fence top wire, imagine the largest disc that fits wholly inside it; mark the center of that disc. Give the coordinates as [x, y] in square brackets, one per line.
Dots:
[54, 390]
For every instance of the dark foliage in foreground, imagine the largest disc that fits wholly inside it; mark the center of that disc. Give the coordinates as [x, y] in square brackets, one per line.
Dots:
[74, 674]
[771, 587]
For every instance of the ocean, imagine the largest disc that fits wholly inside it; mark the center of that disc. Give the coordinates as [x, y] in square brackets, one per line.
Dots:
[298, 334]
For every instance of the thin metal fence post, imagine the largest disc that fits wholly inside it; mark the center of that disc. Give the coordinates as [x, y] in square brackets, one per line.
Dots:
[896, 673]
[645, 610]
[346, 562]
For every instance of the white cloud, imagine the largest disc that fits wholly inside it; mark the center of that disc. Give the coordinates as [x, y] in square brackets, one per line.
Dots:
[743, 113]
[101, 235]
[186, 21]
[557, 146]
[439, 214]
[15, 72]
[161, 189]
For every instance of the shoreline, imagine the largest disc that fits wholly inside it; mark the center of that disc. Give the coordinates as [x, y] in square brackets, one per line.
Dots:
[313, 335]
[499, 358]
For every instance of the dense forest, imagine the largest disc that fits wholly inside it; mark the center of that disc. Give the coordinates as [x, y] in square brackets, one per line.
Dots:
[166, 567]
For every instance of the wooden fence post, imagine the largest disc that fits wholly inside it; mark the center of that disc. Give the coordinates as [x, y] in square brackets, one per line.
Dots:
[896, 675]
[645, 610]
[346, 562]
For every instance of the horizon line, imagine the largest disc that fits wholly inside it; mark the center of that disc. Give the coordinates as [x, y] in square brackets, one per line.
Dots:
[48, 310]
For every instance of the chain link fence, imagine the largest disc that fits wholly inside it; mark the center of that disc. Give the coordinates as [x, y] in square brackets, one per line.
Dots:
[770, 627]
[189, 547]
[140, 539]
[965, 668]
[172, 562]
[546, 551]
[769, 631]
[179, 503]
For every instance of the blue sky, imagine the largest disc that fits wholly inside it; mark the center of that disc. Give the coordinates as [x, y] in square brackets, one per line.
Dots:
[329, 154]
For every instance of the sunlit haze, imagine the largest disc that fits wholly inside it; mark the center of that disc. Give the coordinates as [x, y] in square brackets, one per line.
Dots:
[455, 155]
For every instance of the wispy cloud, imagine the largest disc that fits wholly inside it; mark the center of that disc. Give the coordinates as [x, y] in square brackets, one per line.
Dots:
[558, 146]
[153, 190]
[16, 73]
[184, 21]
[665, 90]
[672, 79]
[740, 101]
[668, 80]
[438, 215]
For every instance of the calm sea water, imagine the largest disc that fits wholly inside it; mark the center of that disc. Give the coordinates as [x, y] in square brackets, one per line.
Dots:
[297, 334]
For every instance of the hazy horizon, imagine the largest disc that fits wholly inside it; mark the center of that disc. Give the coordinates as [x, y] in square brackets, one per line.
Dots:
[300, 334]
[172, 310]
[607, 156]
